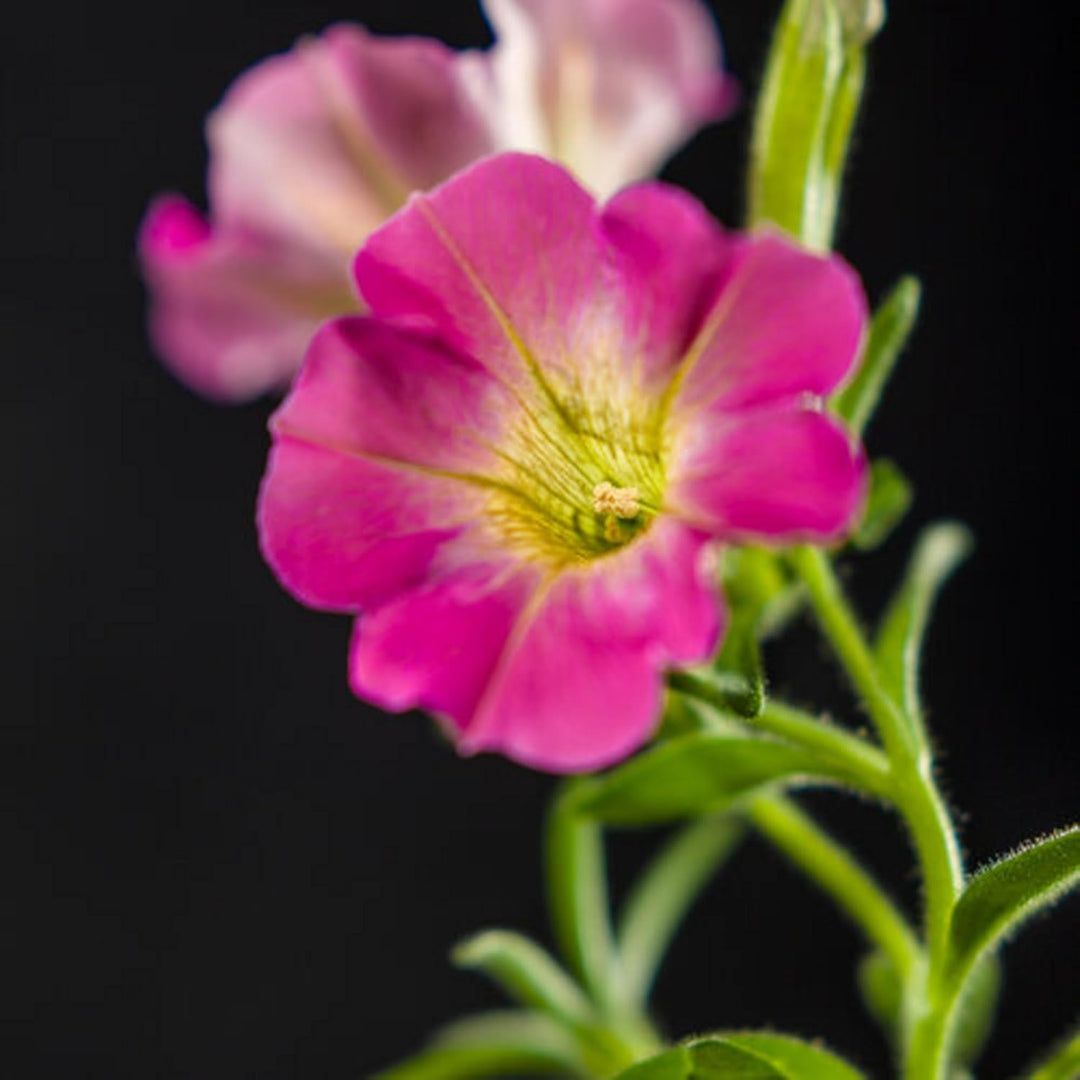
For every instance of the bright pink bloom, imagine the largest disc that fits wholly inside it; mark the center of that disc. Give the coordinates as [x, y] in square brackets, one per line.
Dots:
[310, 151]
[515, 468]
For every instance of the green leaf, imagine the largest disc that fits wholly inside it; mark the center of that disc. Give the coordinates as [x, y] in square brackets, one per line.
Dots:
[744, 1056]
[576, 875]
[808, 100]
[938, 552]
[888, 503]
[788, 1057]
[1006, 893]
[977, 1009]
[493, 1044]
[662, 895]
[889, 331]
[527, 973]
[1062, 1063]
[700, 774]
[675, 1064]
[881, 990]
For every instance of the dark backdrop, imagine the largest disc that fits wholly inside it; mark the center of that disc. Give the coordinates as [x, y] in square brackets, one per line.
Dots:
[227, 867]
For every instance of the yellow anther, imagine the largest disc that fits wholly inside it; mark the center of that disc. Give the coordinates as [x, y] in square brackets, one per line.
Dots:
[622, 502]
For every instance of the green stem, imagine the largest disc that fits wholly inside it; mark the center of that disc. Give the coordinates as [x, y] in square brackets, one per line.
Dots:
[867, 766]
[838, 874]
[916, 797]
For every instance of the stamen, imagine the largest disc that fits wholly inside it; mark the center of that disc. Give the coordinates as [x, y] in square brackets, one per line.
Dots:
[622, 502]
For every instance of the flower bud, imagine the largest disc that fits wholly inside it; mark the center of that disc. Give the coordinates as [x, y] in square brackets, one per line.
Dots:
[862, 19]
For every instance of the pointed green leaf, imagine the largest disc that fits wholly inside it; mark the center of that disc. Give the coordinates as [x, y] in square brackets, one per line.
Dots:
[744, 1056]
[1062, 1063]
[662, 895]
[889, 331]
[576, 877]
[493, 1045]
[788, 1058]
[527, 973]
[1006, 893]
[700, 774]
[939, 551]
[887, 504]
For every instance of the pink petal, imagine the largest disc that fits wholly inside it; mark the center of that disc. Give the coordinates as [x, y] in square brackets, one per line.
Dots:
[356, 499]
[776, 474]
[580, 683]
[345, 532]
[502, 260]
[281, 164]
[608, 87]
[231, 314]
[408, 95]
[436, 647]
[786, 323]
[394, 392]
[671, 258]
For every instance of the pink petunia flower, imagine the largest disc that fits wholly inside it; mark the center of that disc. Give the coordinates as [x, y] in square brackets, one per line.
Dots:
[516, 468]
[310, 151]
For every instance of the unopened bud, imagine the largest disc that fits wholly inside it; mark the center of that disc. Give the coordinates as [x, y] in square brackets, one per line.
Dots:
[862, 19]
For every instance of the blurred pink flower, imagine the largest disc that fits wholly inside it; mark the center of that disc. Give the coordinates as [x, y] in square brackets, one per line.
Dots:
[310, 151]
[514, 470]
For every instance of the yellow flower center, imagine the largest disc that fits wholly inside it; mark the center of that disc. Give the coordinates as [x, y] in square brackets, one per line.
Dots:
[582, 475]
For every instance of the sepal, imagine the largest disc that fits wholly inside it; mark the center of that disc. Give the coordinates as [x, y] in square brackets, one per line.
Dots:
[886, 506]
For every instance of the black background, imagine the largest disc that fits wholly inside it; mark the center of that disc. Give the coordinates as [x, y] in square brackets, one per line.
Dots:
[225, 866]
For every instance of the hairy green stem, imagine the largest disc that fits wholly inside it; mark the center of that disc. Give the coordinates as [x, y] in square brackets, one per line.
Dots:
[828, 864]
[916, 797]
[866, 765]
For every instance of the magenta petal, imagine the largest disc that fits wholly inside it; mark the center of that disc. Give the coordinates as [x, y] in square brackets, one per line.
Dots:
[580, 684]
[346, 533]
[392, 392]
[502, 260]
[670, 257]
[436, 647]
[231, 314]
[786, 323]
[776, 474]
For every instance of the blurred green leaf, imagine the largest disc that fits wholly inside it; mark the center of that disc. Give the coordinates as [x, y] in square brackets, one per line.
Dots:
[887, 504]
[881, 990]
[576, 876]
[1003, 895]
[889, 331]
[526, 973]
[699, 774]
[496, 1044]
[662, 895]
[938, 552]
[977, 1009]
[1061, 1063]
[744, 1056]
